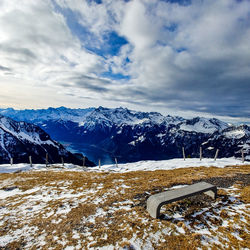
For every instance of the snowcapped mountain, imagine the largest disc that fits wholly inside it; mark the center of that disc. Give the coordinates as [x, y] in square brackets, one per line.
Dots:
[203, 125]
[103, 133]
[89, 116]
[62, 113]
[231, 141]
[19, 140]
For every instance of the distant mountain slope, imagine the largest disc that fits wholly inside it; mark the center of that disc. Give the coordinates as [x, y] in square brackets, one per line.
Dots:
[132, 136]
[19, 140]
[46, 114]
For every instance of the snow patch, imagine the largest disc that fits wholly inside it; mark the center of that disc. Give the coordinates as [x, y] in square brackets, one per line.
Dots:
[235, 134]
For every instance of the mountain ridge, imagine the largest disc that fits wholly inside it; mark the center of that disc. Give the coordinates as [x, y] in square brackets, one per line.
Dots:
[132, 135]
[116, 115]
[19, 140]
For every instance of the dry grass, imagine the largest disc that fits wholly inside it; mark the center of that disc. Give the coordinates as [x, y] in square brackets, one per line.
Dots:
[108, 209]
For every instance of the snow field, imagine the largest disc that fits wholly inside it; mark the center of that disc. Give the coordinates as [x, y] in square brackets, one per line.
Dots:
[128, 167]
[83, 209]
[170, 164]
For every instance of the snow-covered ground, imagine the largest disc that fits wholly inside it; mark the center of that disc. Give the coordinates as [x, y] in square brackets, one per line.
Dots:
[22, 167]
[72, 207]
[169, 164]
[135, 166]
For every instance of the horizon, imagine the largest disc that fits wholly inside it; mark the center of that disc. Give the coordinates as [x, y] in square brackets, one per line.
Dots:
[229, 120]
[179, 57]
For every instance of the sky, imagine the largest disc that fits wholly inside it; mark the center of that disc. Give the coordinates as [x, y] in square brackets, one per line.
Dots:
[186, 57]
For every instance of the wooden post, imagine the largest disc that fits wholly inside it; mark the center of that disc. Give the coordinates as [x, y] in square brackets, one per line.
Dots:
[183, 153]
[30, 159]
[216, 154]
[200, 153]
[242, 156]
[116, 163]
[83, 161]
[99, 163]
[47, 159]
[11, 161]
[62, 161]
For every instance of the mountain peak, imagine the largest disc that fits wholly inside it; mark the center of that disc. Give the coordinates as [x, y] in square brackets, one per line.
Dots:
[118, 115]
[134, 135]
[19, 140]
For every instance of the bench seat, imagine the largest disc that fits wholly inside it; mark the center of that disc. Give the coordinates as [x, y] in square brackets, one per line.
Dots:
[155, 202]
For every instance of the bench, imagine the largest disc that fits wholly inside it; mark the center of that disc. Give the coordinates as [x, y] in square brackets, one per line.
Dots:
[155, 202]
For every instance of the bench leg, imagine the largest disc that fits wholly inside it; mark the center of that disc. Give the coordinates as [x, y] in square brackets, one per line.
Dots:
[153, 211]
[153, 208]
[211, 193]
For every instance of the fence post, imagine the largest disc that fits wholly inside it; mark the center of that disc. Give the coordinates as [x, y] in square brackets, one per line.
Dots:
[30, 159]
[62, 161]
[116, 162]
[216, 154]
[11, 161]
[47, 159]
[242, 156]
[200, 153]
[183, 153]
[83, 161]
[99, 163]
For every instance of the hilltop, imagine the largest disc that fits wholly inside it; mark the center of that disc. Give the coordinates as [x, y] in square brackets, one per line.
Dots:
[86, 209]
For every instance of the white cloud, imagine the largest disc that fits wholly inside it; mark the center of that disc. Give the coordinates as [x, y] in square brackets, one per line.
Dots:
[37, 44]
[137, 27]
[193, 57]
[97, 18]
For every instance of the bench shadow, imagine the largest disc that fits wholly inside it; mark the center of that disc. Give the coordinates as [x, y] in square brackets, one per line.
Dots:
[194, 208]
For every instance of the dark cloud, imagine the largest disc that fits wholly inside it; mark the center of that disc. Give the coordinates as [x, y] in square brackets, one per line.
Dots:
[24, 52]
[89, 86]
[84, 78]
[93, 84]
[5, 68]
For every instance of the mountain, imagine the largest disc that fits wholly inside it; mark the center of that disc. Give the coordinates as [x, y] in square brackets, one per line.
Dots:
[103, 133]
[19, 140]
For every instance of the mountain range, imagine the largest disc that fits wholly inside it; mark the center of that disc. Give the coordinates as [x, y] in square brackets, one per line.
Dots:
[20, 140]
[103, 133]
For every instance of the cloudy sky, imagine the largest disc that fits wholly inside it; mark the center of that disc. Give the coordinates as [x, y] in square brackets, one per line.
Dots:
[177, 57]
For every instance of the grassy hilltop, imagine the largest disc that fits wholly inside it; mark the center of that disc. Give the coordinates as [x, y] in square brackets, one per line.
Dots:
[55, 209]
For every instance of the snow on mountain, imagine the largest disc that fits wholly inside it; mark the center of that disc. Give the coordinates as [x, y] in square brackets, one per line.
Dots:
[19, 140]
[90, 116]
[236, 132]
[61, 113]
[23, 131]
[108, 117]
[203, 125]
[105, 133]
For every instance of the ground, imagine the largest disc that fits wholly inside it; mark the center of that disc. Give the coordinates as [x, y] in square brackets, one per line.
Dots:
[59, 209]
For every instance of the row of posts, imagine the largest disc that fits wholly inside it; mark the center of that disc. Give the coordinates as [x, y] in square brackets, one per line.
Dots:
[216, 154]
[62, 160]
[99, 161]
[46, 160]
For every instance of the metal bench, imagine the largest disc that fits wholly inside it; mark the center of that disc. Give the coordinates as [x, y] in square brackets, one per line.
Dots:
[155, 202]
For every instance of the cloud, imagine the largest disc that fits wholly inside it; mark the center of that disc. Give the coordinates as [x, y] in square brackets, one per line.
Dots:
[38, 45]
[173, 56]
[198, 55]
[4, 68]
